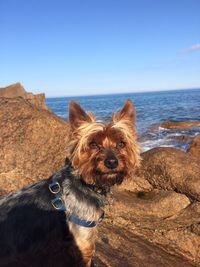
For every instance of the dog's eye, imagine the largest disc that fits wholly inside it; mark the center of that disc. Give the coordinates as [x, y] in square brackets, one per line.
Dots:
[121, 144]
[94, 145]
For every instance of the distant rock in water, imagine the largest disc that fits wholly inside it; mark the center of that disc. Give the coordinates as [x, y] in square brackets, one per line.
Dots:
[179, 124]
[17, 90]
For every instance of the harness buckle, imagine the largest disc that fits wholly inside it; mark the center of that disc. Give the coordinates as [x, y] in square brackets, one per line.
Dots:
[58, 204]
[54, 187]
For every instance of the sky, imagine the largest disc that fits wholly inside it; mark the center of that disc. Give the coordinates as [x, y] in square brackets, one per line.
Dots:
[83, 47]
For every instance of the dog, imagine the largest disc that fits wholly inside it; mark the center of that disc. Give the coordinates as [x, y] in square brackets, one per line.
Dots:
[53, 223]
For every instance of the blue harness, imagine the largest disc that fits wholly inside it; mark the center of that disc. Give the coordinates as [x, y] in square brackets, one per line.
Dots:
[59, 205]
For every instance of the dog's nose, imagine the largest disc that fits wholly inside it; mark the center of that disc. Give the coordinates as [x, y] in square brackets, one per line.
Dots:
[111, 163]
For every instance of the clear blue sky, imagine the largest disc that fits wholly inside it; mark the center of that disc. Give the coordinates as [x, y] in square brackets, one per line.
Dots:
[70, 47]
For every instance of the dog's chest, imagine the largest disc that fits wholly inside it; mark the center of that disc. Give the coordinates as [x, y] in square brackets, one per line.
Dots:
[82, 234]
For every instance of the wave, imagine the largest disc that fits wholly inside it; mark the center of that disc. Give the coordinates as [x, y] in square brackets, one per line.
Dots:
[161, 137]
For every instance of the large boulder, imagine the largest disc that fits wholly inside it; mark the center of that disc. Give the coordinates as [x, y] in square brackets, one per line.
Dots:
[149, 229]
[17, 90]
[155, 203]
[172, 169]
[32, 143]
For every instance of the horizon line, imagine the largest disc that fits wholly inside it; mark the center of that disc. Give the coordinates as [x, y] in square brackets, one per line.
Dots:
[133, 92]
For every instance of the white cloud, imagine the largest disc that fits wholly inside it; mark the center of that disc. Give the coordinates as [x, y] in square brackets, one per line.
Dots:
[192, 48]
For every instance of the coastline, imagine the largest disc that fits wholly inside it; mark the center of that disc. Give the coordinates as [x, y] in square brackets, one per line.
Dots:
[155, 212]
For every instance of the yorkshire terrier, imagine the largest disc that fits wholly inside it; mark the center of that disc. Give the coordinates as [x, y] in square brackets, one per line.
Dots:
[53, 223]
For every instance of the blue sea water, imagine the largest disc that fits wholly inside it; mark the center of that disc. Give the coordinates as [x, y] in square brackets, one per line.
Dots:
[152, 108]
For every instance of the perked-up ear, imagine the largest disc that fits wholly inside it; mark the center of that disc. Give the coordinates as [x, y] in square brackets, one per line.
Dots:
[127, 112]
[77, 116]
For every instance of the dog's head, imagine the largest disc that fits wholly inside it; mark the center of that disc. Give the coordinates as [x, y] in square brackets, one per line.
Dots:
[103, 153]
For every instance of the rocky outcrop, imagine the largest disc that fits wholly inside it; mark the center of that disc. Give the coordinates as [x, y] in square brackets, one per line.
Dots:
[180, 124]
[153, 219]
[172, 169]
[14, 90]
[138, 232]
[194, 148]
[37, 100]
[32, 143]
[17, 90]
[155, 203]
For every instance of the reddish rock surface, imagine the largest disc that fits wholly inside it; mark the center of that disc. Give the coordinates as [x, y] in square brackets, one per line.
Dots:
[137, 184]
[172, 169]
[17, 90]
[143, 226]
[180, 124]
[32, 143]
[13, 90]
[120, 246]
[194, 148]
[154, 203]
[149, 229]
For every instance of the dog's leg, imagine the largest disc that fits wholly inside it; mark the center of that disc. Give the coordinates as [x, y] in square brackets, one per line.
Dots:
[85, 241]
[87, 250]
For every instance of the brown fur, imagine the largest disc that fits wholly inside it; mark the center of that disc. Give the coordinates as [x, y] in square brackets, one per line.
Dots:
[85, 241]
[89, 162]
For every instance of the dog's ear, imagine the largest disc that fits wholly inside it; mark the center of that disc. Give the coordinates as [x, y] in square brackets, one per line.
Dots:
[126, 113]
[77, 115]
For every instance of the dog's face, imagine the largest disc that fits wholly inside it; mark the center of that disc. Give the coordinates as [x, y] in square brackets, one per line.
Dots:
[103, 153]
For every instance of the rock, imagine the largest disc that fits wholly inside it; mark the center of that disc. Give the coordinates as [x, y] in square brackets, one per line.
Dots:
[171, 169]
[32, 143]
[137, 233]
[125, 248]
[37, 100]
[179, 124]
[194, 148]
[17, 90]
[182, 138]
[154, 203]
[143, 226]
[135, 184]
[14, 90]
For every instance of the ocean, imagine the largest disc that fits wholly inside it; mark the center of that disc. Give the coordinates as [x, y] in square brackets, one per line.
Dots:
[152, 108]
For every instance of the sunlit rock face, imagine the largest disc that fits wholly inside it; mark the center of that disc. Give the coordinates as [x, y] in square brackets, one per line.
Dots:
[32, 143]
[17, 90]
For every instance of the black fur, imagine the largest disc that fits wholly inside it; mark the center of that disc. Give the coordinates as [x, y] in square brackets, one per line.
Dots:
[33, 233]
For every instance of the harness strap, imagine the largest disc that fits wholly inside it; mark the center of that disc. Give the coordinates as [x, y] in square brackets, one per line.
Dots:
[58, 204]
